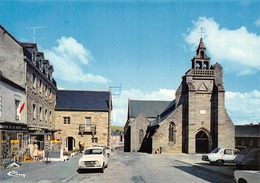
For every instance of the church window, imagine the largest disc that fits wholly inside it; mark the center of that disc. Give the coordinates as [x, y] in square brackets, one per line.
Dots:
[172, 131]
[202, 54]
[141, 136]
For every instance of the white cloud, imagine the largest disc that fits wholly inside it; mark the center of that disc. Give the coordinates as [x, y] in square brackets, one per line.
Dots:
[237, 50]
[257, 22]
[121, 104]
[243, 108]
[69, 58]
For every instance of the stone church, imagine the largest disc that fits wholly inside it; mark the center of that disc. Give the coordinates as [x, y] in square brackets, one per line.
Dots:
[195, 122]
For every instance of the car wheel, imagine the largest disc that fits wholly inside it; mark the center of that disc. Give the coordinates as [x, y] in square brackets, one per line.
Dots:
[212, 163]
[242, 181]
[220, 162]
[102, 169]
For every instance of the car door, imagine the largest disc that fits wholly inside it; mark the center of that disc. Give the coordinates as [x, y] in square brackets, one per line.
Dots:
[228, 155]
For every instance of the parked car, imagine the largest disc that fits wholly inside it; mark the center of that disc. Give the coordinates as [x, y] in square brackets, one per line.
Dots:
[93, 158]
[248, 158]
[247, 176]
[219, 156]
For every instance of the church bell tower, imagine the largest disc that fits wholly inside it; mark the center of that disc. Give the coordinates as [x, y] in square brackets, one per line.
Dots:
[206, 124]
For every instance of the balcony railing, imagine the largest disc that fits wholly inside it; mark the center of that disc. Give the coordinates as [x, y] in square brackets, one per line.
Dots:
[87, 128]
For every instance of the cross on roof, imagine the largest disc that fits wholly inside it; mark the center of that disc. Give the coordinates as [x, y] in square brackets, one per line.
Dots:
[201, 32]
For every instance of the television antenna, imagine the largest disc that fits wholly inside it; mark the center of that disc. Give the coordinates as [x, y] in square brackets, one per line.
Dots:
[34, 30]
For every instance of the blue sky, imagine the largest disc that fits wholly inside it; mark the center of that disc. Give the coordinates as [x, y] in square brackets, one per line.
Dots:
[144, 46]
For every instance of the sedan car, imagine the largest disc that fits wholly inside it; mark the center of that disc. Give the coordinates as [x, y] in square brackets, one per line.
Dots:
[219, 156]
[248, 158]
[247, 176]
[93, 158]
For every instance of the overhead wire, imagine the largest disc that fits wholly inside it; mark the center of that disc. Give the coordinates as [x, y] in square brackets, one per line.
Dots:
[82, 21]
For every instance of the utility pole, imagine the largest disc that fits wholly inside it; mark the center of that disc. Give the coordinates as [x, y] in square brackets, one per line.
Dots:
[110, 110]
[34, 30]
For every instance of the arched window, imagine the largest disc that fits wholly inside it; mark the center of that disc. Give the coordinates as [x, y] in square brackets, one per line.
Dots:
[172, 130]
[141, 136]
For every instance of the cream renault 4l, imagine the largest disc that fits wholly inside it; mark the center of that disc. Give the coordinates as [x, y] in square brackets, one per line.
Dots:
[219, 156]
[93, 158]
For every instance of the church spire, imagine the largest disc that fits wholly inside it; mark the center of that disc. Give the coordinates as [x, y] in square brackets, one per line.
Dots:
[201, 60]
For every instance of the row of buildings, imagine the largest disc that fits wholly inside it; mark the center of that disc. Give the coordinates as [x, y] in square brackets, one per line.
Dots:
[33, 110]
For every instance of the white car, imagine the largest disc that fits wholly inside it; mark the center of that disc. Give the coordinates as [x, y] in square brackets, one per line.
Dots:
[247, 176]
[219, 156]
[93, 158]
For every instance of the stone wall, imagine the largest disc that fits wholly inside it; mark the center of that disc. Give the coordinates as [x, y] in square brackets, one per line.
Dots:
[11, 59]
[161, 137]
[37, 96]
[100, 119]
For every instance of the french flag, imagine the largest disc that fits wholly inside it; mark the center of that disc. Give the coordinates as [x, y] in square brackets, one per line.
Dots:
[21, 108]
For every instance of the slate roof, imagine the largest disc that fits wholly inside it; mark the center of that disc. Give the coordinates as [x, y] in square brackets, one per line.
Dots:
[82, 100]
[148, 107]
[247, 130]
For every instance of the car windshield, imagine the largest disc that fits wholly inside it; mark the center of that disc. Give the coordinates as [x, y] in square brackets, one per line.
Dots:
[216, 150]
[92, 151]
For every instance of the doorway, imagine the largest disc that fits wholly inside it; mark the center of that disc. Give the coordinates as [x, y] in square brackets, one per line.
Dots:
[202, 142]
[70, 143]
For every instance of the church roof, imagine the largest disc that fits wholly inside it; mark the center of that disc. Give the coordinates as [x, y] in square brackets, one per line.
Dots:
[151, 109]
[247, 130]
[82, 100]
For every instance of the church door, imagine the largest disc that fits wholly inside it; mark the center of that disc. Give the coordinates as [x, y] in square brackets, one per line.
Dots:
[202, 142]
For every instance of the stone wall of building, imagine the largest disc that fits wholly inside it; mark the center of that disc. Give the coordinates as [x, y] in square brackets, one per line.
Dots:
[161, 137]
[100, 119]
[139, 124]
[11, 58]
[42, 98]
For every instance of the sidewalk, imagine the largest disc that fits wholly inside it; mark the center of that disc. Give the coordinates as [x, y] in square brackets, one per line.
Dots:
[227, 169]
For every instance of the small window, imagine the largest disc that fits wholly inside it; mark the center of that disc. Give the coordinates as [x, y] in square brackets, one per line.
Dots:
[34, 111]
[66, 120]
[34, 80]
[41, 114]
[88, 120]
[172, 132]
[45, 116]
[141, 136]
[95, 140]
[17, 104]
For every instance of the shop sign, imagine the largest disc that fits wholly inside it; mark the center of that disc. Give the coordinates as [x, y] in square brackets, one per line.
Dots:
[12, 127]
[14, 141]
